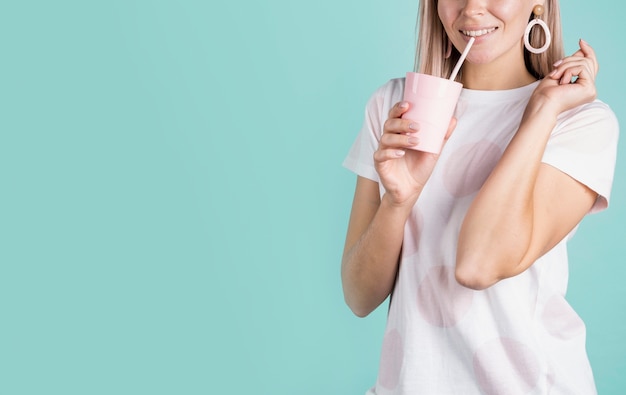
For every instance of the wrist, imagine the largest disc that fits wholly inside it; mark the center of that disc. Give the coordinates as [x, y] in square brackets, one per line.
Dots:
[400, 206]
[543, 105]
[542, 108]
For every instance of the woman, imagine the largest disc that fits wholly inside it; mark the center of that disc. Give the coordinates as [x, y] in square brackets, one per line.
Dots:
[471, 243]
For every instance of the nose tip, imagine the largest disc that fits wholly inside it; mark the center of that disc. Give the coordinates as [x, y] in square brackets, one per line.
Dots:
[473, 12]
[473, 8]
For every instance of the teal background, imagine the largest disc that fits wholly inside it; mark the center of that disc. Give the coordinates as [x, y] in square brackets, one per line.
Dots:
[174, 206]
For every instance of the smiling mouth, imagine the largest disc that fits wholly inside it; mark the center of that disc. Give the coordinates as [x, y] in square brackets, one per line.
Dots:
[478, 33]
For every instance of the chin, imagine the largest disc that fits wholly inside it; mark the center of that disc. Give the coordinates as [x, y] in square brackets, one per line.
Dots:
[479, 59]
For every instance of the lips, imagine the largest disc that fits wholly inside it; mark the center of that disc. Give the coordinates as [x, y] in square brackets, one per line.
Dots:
[478, 33]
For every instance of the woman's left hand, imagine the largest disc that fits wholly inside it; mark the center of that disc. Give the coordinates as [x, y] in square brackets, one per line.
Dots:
[572, 82]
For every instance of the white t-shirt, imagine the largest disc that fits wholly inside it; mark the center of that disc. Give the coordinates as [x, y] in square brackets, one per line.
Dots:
[519, 336]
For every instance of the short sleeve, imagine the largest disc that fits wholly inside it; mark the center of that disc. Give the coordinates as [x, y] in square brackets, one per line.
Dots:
[360, 158]
[583, 145]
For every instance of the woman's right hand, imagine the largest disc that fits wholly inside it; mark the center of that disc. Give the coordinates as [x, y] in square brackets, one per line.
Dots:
[403, 171]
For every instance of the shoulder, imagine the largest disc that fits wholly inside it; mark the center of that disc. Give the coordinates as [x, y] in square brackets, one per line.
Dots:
[386, 96]
[393, 87]
[380, 102]
[584, 146]
[595, 116]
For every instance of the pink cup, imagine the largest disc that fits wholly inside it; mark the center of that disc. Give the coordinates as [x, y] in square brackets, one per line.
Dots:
[432, 103]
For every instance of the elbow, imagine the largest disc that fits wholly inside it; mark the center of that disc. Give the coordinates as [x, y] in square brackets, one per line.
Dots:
[360, 302]
[474, 276]
[477, 269]
[361, 313]
[475, 282]
[358, 309]
[364, 292]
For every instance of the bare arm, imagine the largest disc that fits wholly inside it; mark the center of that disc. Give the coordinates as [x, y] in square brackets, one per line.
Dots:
[372, 249]
[376, 230]
[526, 207]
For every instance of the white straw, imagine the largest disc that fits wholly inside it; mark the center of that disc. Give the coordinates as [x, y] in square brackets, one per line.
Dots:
[461, 59]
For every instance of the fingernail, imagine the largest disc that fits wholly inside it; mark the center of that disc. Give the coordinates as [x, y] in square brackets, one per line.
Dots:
[413, 140]
[399, 153]
[584, 42]
[552, 73]
[404, 104]
[413, 126]
[557, 63]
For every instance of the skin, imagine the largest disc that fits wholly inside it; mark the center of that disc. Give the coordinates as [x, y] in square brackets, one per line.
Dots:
[496, 60]
[524, 208]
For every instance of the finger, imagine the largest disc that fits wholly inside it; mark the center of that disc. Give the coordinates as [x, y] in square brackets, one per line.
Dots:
[572, 60]
[566, 78]
[399, 109]
[573, 66]
[589, 52]
[586, 52]
[400, 126]
[390, 140]
[383, 155]
[581, 71]
[586, 48]
[568, 73]
[578, 54]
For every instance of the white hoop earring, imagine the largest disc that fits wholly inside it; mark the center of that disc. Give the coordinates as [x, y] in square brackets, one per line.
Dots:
[546, 30]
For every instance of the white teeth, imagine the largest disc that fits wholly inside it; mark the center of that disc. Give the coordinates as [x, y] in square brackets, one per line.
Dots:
[477, 33]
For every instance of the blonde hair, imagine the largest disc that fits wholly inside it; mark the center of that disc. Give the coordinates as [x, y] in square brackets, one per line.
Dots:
[432, 43]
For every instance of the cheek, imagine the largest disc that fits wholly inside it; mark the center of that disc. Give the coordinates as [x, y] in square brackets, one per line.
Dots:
[446, 13]
[516, 15]
[516, 8]
[447, 19]
[517, 29]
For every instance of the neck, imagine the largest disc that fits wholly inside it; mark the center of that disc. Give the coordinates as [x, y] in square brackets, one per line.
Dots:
[497, 75]
[488, 80]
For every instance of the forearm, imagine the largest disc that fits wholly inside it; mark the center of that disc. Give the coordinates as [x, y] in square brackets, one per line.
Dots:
[370, 264]
[498, 228]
